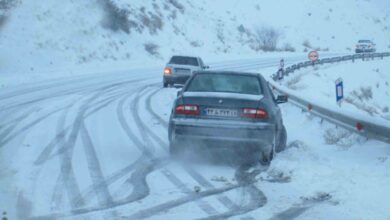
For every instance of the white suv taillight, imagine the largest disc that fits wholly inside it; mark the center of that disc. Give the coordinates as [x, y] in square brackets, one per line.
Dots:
[187, 110]
[254, 113]
[167, 71]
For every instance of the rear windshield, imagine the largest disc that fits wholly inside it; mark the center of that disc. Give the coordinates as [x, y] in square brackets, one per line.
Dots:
[225, 83]
[184, 61]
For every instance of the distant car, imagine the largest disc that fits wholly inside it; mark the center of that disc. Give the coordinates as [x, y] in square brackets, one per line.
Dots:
[180, 68]
[230, 110]
[365, 46]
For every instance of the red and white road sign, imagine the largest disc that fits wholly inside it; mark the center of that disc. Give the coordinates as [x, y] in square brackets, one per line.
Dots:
[313, 56]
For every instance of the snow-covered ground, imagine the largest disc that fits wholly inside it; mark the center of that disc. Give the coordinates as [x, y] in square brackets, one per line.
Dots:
[96, 147]
[53, 38]
[366, 86]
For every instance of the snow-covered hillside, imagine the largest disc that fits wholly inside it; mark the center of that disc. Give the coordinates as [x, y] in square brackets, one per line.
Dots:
[53, 37]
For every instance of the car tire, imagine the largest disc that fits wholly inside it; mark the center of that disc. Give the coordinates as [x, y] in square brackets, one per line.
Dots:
[165, 85]
[267, 157]
[282, 141]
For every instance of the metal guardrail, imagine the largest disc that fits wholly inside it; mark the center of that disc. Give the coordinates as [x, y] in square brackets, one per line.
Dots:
[363, 56]
[368, 128]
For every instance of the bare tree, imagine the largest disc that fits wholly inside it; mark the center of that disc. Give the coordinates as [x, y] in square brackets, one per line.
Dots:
[267, 38]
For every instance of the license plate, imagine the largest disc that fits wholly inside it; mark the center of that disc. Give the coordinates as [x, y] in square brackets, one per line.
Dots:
[183, 71]
[221, 112]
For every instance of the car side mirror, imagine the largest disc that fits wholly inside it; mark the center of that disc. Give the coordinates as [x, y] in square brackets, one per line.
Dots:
[206, 67]
[281, 99]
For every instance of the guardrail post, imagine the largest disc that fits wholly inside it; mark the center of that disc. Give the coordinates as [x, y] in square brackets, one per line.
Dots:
[359, 126]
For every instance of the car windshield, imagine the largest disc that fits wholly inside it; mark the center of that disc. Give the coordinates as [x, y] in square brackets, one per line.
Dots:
[192, 61]
[212, 82]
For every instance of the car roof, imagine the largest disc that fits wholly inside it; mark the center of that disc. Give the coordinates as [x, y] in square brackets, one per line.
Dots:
[227, 72]
[185, 56]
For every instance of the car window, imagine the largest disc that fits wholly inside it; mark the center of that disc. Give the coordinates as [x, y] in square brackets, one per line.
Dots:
[181, 60]
[364, 41]
[231, 83]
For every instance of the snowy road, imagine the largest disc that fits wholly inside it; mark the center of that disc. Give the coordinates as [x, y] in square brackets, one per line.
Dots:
[96, 148]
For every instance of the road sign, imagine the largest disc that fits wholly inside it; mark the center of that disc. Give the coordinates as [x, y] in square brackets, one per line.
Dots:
[339, 90]
[313, 56]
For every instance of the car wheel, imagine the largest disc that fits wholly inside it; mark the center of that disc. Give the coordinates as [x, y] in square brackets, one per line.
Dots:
[267, 156]
[282, 141]
[165, 85]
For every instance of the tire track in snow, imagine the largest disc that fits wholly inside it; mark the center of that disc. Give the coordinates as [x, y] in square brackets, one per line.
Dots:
[95, 170]
[207, 208]
[45, 154]
[307, 203]
[138, 178]
[88, 193]
[57, 196]
[28, 126]
[257, 198]
[67, 176]
[155, 210]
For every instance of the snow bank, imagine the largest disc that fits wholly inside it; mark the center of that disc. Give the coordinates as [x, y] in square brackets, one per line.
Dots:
[366, 87]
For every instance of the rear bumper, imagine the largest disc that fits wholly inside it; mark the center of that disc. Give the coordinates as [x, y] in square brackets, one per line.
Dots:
[176, 79]
[250, 135]
[364, 50]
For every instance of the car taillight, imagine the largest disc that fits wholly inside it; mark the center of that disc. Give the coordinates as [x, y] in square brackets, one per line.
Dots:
[187, 110]
[167, 71]
[254, 113]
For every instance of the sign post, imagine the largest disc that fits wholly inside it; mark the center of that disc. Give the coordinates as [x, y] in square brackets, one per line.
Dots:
[280, 73]
[339, 91]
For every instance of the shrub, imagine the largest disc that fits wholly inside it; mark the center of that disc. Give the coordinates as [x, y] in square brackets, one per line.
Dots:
[307, 44]
[7, 4]
[267, 38]
[3, 19]
[116, 19]
[288, 47]
[177, 5]
[365, 93]
[152, 49]
[153, 22]
[195, 44]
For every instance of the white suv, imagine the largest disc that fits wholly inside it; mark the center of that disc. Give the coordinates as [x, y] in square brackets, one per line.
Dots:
[180, 68]
[365, 46]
